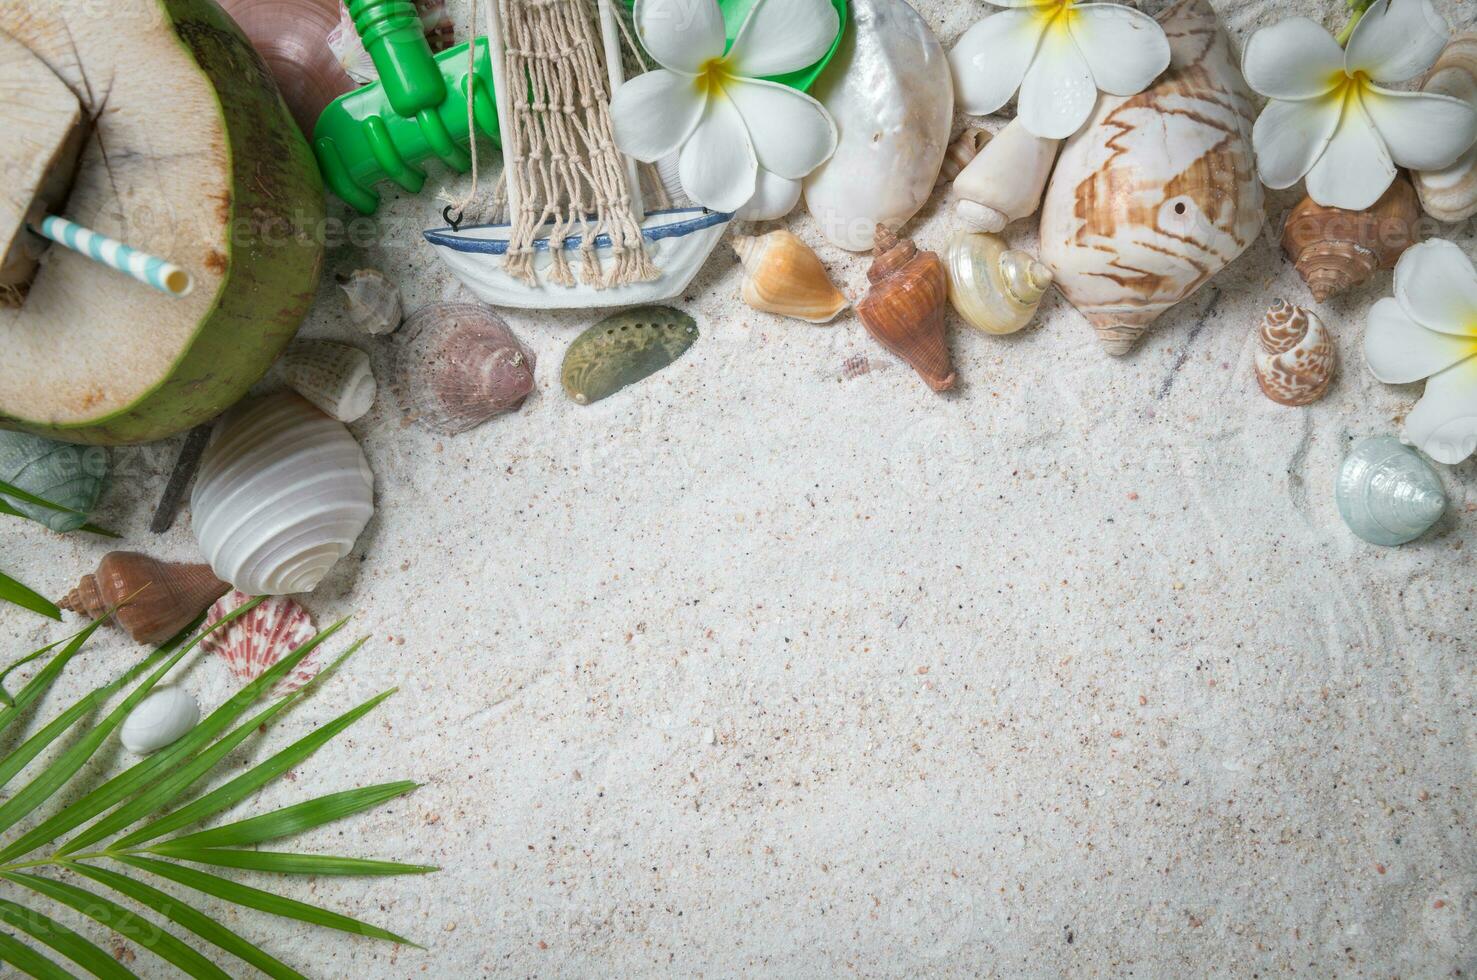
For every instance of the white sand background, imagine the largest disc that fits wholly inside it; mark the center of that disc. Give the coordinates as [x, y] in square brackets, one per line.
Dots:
[751, 669]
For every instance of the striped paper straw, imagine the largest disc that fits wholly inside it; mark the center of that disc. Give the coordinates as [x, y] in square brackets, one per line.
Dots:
[149, 269]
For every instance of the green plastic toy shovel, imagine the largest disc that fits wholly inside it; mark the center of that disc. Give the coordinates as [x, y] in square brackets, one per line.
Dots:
[417, 111]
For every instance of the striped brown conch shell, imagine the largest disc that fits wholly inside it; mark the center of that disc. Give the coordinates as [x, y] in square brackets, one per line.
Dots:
[1159, 191]
[1294, 355]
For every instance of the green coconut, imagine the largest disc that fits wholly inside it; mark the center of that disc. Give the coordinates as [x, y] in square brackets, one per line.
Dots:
[191, 155]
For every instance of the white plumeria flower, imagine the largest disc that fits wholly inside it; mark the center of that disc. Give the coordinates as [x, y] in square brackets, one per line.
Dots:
[714, 107]
[1059, 53]
[1329, 121]
[1429, 330]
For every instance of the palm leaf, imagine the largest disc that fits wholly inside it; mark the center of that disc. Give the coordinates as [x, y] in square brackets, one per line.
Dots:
[70, 944]
[27, 598]
[9, 510]
[138, 795]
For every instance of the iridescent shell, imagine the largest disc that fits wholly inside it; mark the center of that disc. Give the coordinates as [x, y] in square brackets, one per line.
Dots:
[624, 348]
[1387, 493]
[255, 641]
[72, 476]
[459, 365]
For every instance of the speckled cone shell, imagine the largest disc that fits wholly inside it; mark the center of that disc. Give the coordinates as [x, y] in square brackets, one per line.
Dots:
[1159, 192]
[904, 309]
[1335, 250]
[1294, 355]
[163, 597]
[254, 641]
[1451, 194]
[783, 275]
[335, 377]
[282, 494]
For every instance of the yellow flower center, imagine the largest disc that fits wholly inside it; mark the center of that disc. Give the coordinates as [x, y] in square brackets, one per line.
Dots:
[711, 76]
[1346, 87]
[1057, 14]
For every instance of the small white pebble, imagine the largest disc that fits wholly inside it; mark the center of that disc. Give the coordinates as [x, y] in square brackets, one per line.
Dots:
[708, 737]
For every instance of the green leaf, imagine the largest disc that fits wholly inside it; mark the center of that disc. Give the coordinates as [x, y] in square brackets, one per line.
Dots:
[255, 898]
[276, 862]
[7, 510]
[139, 775]
[251, 780]
[164, 792]
[70, 944]
[65, 766]
[30, 961]
[11, 490]
[200, 924]
[119, 919]
[299, 817]
[27, 598]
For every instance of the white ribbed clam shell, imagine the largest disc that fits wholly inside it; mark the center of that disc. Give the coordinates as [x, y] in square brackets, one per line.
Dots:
[282, 494]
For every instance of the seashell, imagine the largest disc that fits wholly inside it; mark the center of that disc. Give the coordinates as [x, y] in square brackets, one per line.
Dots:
[282, 494]
[164, 596]
[71, 476]
[1005, 181]
[966, 146]
[904, 309]
[1335, 250]
[1159, 191]
[335, 377]
[782, 275]
[162, 718]
[1451, 194]
[891, 94]
[374, 301]
[1294, 355]
[292, 36]
[254, 641]
[460, 365]
[624, 348]
[349, 51]
[993, 287]
[1387, 493]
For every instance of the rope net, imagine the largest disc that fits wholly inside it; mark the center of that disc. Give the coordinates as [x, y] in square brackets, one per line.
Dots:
[559, 150]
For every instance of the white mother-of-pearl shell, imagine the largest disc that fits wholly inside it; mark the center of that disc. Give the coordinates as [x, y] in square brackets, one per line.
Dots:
[1387, 493]
[161, 718]
[282, 494]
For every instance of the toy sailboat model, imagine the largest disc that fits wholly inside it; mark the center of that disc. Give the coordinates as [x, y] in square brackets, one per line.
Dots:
[577, 234]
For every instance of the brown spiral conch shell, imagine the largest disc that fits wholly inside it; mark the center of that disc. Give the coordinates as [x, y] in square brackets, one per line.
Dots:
[165, 596]
[1335, 250]
[1294, 355]
[905, 307]
[459, 365]
[1159, 192]
[783, 275]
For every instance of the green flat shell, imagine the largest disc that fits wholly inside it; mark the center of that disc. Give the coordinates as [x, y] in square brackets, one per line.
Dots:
[72, 476]
[624, 348]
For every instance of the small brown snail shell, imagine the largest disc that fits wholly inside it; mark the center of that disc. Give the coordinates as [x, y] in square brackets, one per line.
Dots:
[1335, 250]
[905, 307]
[964, 149]
[163, 596]
[1294, 355]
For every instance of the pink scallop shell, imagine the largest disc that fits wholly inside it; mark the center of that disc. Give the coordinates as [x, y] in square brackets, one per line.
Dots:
[254, 642]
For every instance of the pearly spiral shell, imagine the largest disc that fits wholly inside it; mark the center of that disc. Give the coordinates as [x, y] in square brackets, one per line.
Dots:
[1387, 493]
[164, 717]
[282, 494]
[1005, 181]
[783, 275]
[459, 365]
[1294, 355]
[904, 309]
[1450, 194]
[1335, 250]
[994, 288]
[162, 597]
[335, 377]
[373, 300]
[1159, 191]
